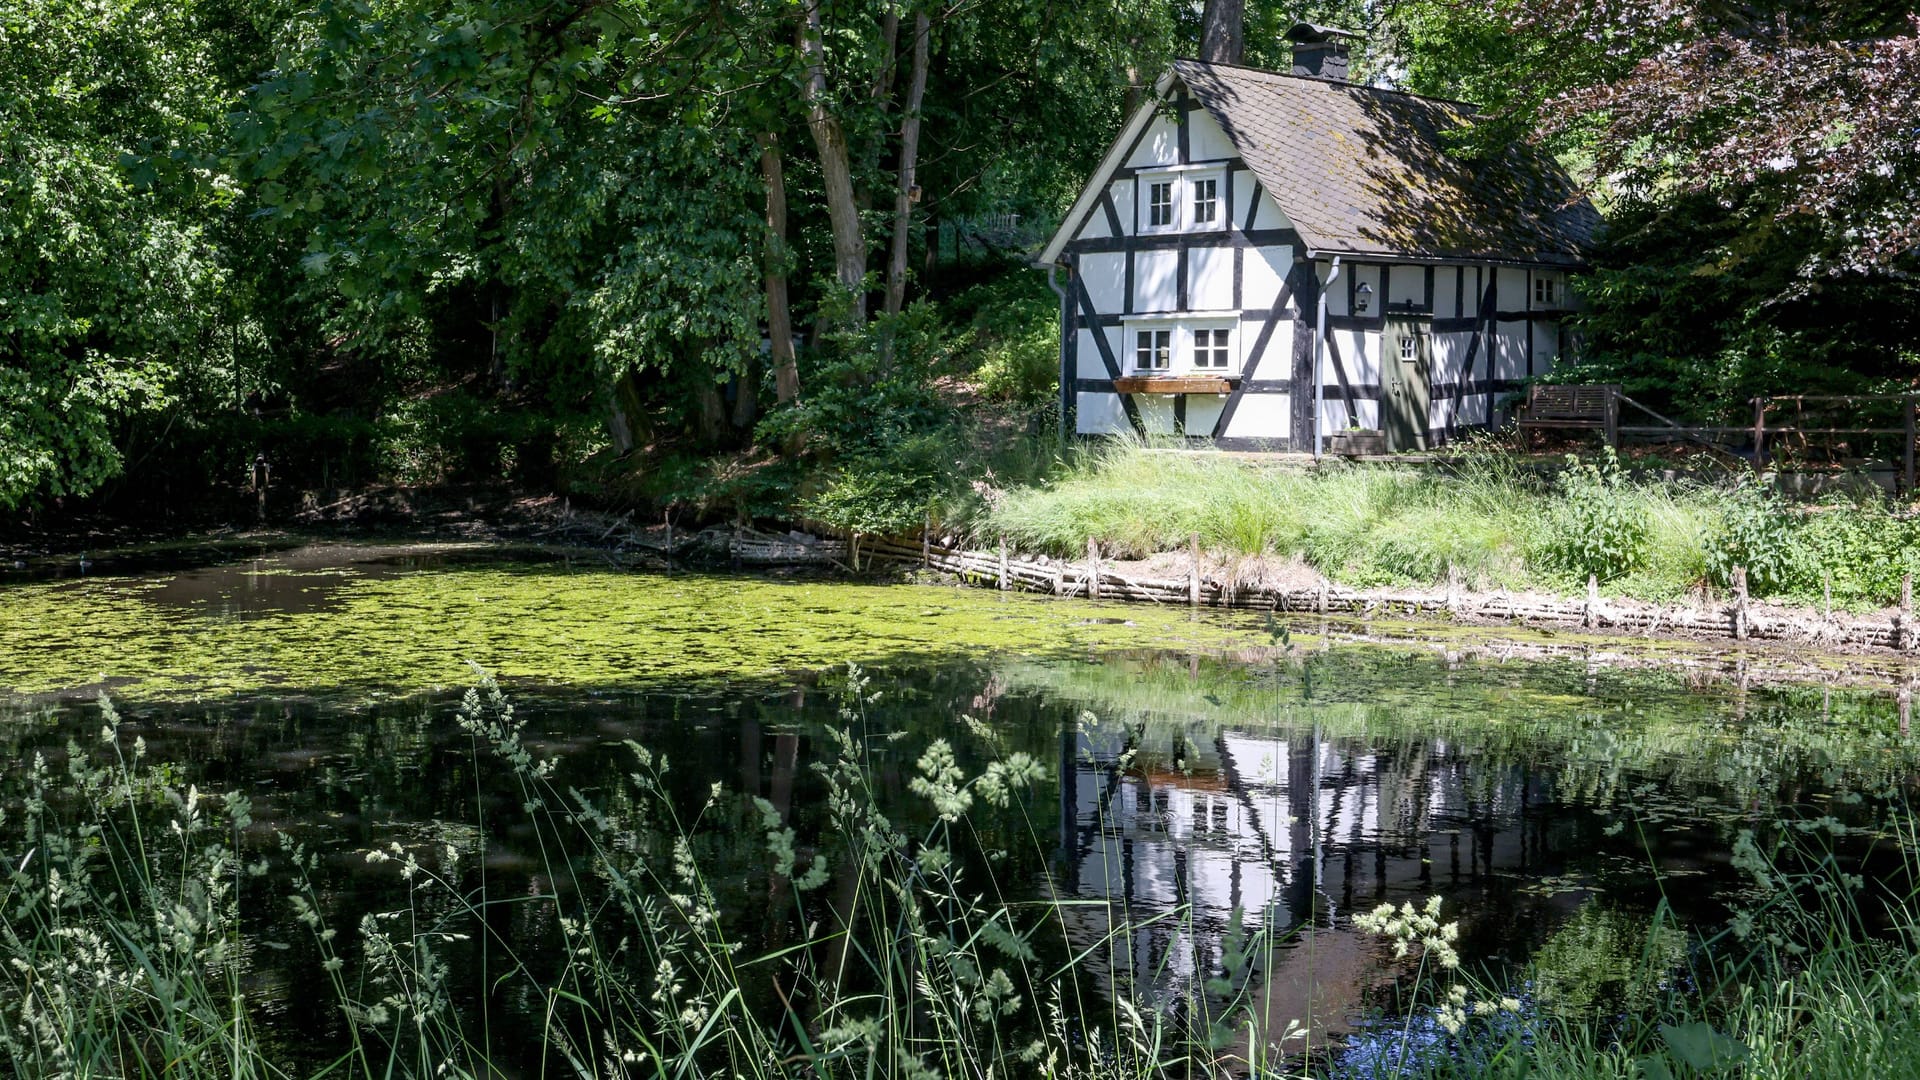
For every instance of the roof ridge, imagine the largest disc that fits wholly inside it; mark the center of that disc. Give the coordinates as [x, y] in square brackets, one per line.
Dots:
[1325, 81]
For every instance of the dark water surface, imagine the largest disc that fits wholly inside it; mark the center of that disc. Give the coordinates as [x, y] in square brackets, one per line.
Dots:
[1191, 780]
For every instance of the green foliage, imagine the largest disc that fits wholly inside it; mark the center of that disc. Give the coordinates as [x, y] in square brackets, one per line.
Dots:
[1755, 533]
[109, 201]
[1597, 527]
[1013, 337]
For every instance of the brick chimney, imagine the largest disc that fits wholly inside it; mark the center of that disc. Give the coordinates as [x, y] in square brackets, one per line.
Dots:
[1321, 51]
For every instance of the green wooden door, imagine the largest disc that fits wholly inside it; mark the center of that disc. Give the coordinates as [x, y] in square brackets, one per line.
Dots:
[1406, 379]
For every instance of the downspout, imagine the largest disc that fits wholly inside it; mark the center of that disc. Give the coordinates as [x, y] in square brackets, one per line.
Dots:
[1066, 327]
[1320, 357]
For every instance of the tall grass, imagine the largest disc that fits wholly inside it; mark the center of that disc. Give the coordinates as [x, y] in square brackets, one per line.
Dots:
[1489, 522]
[124, 951]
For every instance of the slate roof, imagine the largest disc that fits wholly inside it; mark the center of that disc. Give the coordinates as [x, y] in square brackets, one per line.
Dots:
[1366, 171]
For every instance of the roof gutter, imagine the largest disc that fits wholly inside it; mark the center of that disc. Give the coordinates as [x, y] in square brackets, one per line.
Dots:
[1570, 263]
[1320, 356]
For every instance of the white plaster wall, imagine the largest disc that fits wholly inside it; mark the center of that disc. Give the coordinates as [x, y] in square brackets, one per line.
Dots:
[1203, 411]
[1205, 140]
[1446, 288]
[1513, 289]
[1448, 352]
[1210, 279]
[1100, 414]
[1105, 276]
[1243, 181]
[1276, 363]
[1262, 271]
[1407, 285]
[1159, 146]
[1359, 356]
[1335, 418]
[1087, 363]
[1123, 202]
[1546, 346]
[1269, 216]
[1261, 416]
[1156, 412]
[1156, 281]
[1510, 350]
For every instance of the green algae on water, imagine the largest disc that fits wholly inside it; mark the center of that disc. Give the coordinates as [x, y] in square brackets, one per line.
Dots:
[354, 628]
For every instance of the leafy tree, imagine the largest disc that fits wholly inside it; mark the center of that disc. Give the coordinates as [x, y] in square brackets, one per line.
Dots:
[111, 282]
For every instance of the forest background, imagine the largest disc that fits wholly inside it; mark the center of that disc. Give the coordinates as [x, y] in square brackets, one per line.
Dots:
[769, 257]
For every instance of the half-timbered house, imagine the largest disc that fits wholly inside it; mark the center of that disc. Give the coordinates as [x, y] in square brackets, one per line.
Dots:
[1256, 241]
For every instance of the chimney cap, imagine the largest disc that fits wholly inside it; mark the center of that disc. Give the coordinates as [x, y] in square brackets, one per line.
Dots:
[1305, 33]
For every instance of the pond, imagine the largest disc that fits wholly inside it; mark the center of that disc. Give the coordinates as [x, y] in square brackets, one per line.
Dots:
[1189, 780]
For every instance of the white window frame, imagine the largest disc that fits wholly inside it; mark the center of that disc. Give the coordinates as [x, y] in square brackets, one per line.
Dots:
[1185, 181]
[1547, 292]
[1135, 330]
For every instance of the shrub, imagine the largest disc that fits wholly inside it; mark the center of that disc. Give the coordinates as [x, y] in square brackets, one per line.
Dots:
[1756, 531]
[1598, 527]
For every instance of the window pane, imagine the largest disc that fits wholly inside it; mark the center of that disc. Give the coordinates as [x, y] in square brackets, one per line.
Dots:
[1160, 203]
[1206, 200]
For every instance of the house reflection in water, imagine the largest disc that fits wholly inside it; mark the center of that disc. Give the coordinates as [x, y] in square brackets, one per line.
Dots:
[1295, 832]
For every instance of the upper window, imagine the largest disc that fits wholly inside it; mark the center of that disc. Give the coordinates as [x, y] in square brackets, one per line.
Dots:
[1182, 199]
[1206, 201]
[1546, 292]
[1160, 204]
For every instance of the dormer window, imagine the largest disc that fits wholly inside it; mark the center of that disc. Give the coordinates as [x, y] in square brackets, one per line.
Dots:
[1184, 198]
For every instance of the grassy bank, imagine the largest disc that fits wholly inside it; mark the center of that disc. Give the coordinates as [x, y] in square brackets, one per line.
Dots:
[1488, 521]
[135, 904]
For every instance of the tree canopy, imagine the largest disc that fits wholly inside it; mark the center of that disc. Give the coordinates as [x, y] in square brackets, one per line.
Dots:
[392, 239]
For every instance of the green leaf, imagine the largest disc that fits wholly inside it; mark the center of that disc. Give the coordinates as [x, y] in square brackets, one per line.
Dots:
[1703, 1048]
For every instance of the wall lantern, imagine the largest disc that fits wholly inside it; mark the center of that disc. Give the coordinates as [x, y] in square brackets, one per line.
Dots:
[1361, 297]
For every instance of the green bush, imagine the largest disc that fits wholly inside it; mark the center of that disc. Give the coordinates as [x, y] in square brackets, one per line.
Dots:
[1756, 531]
[1598, 526]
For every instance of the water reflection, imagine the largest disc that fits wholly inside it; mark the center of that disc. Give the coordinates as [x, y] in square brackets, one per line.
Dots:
[1186, 795]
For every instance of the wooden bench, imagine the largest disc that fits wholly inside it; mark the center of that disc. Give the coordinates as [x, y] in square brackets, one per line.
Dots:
[1588, 408]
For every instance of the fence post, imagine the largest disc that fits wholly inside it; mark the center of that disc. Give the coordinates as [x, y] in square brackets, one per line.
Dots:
[1826, 595]
[667, 516]
[1193, 570]
[1093, 569]
[1912, 408]
[1593, 600]
[926, 541]
[1759, 434]
[1004, 583]
[1739, 603]
[1903, 637]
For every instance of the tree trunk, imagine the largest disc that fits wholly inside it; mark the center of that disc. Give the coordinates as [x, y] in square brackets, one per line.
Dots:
[624, 414]
[1222, 39]
[908, 192]
[746, 397]
[786, 374]
[713, 410]
[849, 246]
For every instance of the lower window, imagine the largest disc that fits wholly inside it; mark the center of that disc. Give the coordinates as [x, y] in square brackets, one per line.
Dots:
[1153, 350]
